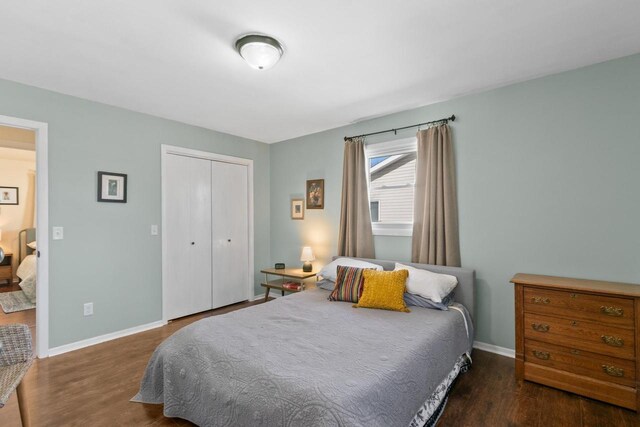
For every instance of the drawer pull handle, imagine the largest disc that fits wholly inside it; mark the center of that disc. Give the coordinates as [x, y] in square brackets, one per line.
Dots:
[612, 311]
[574, 351]
[613, 371]
[573, 295]
[612, 341]
[543, 355]
[540, 327]
[540, 300]
[574, 323]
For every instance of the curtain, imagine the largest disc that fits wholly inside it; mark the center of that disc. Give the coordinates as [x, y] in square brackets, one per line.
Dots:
[355, 238]
[435, 211]
[30, 202]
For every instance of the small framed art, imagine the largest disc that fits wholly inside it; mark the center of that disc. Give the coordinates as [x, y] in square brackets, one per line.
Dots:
[112, 187]
[315, 194]
[9, 195]
[297, 209]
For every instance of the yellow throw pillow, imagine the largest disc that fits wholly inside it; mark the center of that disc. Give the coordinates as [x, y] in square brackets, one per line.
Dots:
[384, 290]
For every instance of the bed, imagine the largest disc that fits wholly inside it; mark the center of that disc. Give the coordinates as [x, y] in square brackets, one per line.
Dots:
[27, 263]
[304, 361]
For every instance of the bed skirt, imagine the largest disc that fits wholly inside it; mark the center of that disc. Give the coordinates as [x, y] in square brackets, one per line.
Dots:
[431, 410]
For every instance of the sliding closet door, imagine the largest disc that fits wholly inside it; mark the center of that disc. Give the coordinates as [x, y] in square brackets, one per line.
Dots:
[188, 235]
[230, 232]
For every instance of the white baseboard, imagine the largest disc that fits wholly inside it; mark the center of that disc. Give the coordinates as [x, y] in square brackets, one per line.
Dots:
[55, 351]
[503, 351]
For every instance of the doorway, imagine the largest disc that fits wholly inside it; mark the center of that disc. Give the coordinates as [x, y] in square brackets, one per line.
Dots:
[24, 292]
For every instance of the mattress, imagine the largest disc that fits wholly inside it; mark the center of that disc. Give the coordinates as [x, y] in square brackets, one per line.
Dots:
[304, 361]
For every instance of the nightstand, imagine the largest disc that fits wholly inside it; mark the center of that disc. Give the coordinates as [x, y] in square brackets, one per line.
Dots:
[6, 269]
[294, 274]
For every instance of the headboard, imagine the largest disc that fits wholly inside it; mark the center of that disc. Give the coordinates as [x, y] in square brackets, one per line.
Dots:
[465, 292]
[25, 236]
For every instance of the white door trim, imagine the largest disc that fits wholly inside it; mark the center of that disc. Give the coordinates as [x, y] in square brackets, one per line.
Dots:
[42, 227]
[166, 150]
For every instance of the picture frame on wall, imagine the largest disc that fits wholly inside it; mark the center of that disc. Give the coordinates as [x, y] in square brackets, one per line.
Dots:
[297, 209]
[112, 187]
[315, 194]
[9, 195]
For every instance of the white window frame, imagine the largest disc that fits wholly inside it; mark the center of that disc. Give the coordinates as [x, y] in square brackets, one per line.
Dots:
[389, 148]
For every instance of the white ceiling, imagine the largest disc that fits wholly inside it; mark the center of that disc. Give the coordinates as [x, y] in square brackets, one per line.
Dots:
[344, 60]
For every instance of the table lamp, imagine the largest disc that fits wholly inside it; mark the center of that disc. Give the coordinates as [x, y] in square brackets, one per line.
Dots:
[307, 257]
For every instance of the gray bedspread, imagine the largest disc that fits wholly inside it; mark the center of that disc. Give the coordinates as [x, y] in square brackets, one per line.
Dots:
[304, 361]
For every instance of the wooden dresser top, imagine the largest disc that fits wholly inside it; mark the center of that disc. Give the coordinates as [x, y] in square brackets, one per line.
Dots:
[580, 285]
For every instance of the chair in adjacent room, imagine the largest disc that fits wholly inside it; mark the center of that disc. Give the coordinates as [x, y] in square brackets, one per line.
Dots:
[16, 356]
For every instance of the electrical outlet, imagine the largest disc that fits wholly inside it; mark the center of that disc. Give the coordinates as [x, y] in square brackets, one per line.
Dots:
[154, 230]
[88, 309]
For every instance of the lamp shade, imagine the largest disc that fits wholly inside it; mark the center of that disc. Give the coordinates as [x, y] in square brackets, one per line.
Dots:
[260, 52]
[307, 254]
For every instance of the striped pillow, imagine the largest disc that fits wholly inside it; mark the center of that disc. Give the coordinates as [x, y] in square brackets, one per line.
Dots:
[349, 283]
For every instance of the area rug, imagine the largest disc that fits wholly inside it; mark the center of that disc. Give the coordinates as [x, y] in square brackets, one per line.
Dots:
[15, 301]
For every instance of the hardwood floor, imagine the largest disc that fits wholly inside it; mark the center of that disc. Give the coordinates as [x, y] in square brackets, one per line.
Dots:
[489, 395]
[92, 387]
[10, 287]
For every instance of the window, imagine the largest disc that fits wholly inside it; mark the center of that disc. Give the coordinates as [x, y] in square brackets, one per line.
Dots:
[375, 210]
[392, 172]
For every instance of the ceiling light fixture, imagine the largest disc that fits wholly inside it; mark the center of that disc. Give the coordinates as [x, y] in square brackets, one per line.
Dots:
[261, 52]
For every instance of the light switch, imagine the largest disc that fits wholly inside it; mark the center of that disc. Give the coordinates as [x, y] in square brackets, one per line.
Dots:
[154, 230]
[58, 233]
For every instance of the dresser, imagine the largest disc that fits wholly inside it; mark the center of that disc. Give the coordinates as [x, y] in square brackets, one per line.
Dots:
[579, 335]
[6, 270]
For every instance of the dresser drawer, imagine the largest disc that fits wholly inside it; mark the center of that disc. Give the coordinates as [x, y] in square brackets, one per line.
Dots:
[5, 272]
[605, 368]
[575, 305]
[587, 336]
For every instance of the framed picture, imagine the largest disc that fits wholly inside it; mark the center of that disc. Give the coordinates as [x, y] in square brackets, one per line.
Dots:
[9, 195]
[297, 209]
[112, 187]
[315, 194]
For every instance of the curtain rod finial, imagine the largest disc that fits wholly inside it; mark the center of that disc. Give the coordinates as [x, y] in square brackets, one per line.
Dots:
[453, 117]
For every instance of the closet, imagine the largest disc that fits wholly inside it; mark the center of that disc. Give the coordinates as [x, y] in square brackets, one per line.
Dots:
[206, 220]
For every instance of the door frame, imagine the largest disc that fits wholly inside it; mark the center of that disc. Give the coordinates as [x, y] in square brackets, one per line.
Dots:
[42, 227]
[166, 150]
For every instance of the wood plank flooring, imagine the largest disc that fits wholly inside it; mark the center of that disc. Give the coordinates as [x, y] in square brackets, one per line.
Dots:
[92, 387]
[489, 395]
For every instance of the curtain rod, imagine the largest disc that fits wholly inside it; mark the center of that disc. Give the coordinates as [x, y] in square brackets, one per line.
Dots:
[452, 118]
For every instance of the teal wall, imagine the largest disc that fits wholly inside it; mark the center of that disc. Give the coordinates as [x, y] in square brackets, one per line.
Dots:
[547, 183]
[108, 255]
[548, 175]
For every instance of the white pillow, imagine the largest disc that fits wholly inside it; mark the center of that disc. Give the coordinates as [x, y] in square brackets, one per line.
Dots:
[330, 271]
[428, 284]
[32, 245]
